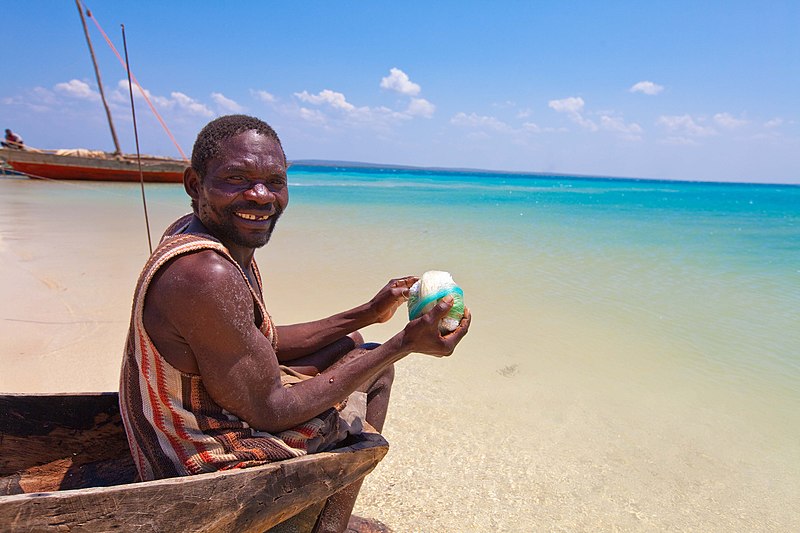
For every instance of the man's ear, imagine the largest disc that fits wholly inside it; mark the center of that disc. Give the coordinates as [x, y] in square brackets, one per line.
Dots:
[191, 183]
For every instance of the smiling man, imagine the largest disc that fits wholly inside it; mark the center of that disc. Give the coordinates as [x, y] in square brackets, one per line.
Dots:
[208, 381]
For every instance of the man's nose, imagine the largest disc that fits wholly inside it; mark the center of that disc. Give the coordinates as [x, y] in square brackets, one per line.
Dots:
[259, 193]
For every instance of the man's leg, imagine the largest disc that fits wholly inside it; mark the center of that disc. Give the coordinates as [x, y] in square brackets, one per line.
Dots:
[378, 389]
[336, 513]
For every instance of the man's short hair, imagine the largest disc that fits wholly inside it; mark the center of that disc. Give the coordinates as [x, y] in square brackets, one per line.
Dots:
[207, 145]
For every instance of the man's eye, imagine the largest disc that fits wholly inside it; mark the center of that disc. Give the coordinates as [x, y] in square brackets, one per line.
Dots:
[235, 179]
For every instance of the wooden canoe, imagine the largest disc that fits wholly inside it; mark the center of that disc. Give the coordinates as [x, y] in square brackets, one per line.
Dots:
[85, 165]
[64, 464]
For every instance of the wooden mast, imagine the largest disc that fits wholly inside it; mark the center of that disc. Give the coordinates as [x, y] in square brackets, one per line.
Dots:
[117, 151]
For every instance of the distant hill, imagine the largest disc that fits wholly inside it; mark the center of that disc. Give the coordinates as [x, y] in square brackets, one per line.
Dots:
[323, 163]
[361, 164]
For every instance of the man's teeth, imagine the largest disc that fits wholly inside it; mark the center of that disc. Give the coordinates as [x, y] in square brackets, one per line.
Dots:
[248, 216]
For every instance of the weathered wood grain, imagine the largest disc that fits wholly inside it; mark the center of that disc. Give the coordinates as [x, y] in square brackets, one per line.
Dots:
[62, 441]
[250, 499]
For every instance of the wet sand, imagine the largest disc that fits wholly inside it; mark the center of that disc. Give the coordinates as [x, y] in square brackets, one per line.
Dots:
[531, 425]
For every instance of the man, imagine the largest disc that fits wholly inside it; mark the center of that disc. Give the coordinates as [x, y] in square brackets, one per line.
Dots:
[12, 140]
[204, 372]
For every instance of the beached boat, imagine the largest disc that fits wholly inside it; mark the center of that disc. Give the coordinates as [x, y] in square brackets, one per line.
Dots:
[65, 463]
[82, 164]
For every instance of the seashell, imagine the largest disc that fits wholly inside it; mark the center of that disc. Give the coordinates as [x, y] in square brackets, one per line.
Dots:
[431, 287]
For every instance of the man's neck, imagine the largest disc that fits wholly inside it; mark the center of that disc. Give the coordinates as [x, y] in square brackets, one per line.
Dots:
[242, 255]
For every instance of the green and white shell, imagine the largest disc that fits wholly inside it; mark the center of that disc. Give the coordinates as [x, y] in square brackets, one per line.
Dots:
[432, 287]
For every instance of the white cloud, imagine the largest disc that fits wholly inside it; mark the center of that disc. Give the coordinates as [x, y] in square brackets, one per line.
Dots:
[77, 89]
[377, 116]
[122, 95]
[419, 107]
[726, 120]
[190, 104]
[611, 123]
[567, 105]
[685, 125]
[226, 103]
[679, 141]
[45, 96]
[38, 100]
[326, 96]
[773, 123]
[176, 100]
[473, 120]
[337, 110]
[264, 96]
[573, 106]
[398, 81]
[312, 115]
[646, 87]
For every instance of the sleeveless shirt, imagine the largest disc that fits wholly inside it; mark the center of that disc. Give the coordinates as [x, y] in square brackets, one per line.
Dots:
[173, 425]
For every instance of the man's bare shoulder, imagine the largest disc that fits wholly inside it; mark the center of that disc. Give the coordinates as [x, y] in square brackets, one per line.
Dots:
[198, 268]
[201, 280]
[197, 304]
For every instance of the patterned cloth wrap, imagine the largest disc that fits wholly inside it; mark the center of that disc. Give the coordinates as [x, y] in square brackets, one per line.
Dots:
[174, 427]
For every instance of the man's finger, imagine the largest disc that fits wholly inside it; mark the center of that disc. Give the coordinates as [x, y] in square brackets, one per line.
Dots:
[441, 308]
[406, 281]
[463, 327]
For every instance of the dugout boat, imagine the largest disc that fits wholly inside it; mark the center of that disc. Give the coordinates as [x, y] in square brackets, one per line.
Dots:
[65, 463]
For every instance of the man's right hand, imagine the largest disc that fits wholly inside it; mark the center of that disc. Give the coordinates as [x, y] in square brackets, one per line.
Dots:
[422, 334]
[390, 297]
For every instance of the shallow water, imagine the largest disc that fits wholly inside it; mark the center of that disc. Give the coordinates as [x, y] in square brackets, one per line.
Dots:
[635, 357]
[633, 364]
[713, 270]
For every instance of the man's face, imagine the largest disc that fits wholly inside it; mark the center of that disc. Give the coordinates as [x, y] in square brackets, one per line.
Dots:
[244, 190]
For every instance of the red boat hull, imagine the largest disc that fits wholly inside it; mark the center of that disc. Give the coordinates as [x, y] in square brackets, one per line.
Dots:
[64, 172]
[70, 167]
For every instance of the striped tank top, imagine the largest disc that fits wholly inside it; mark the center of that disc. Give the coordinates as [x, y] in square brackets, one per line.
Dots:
[173, 426]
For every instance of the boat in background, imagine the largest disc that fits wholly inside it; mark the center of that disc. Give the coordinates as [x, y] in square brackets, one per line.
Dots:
[81, 164]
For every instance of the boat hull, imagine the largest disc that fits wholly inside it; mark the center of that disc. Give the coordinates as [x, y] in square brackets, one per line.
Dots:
[76, 167]
[64, 463]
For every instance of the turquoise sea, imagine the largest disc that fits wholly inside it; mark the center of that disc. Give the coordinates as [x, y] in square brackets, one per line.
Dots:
[714, 268]
[633, 362]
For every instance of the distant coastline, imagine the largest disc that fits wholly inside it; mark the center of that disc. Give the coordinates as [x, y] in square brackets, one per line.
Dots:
[363, 166]
[455, 170]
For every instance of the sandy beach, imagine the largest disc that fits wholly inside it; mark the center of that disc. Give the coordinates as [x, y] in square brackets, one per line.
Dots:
[534, 424]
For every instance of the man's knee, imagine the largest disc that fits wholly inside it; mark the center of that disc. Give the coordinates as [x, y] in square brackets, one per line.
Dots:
[358, 339]
[385, 378]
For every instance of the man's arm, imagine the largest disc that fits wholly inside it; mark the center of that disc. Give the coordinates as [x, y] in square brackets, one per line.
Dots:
[200, 308]
[299, 340]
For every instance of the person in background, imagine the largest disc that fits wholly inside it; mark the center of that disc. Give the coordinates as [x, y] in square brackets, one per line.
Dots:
[13, 140]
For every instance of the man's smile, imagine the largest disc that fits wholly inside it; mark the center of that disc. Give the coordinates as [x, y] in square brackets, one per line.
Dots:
[248, 216]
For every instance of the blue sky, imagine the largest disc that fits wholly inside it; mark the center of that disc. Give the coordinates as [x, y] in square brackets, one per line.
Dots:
[662, 89]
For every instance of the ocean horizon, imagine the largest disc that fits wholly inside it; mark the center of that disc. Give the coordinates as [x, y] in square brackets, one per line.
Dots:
[382, 168]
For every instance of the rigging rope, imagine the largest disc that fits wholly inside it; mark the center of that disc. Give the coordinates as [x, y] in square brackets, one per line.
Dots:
[135, 81]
